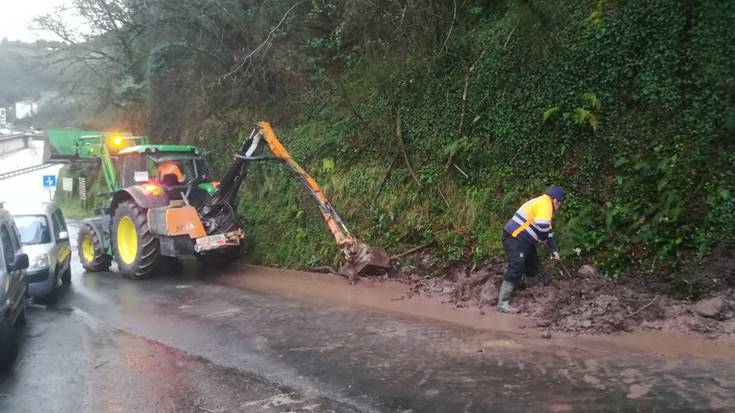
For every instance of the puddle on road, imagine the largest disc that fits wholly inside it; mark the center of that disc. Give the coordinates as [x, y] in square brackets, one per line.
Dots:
[389, 296]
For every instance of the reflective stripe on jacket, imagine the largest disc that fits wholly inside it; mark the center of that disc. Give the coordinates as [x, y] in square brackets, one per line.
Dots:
[532, 222]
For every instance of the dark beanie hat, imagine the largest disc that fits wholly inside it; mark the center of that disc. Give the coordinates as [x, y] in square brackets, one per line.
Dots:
[556, 192]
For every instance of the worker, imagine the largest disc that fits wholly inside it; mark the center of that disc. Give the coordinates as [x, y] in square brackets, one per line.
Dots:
[169, 167]
[531, 224]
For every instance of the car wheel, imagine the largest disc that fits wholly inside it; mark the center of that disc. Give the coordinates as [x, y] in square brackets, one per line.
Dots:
[66, 276]
[21, 320]
[8, 343]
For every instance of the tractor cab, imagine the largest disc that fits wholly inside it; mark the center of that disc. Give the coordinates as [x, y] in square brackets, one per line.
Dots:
[176, 171]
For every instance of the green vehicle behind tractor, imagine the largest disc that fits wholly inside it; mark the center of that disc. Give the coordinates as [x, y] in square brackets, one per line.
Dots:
[163, 203]
[130, 166]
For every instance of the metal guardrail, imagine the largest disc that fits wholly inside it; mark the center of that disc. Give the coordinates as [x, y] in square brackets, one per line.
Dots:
[8, 145]
[22, 171]
[12, 143]
[18, 136]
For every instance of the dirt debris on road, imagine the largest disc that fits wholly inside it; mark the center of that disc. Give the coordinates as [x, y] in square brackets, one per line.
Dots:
[582, 302]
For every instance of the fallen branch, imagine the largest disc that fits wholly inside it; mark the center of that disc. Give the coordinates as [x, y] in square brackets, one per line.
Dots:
[463, 105]
[480, 277]
[323, 269]
[443, 197]
[198, 405]
[264, 44]
[356, 113]
[644, 307]
[507, 39]
[399, 136]
[412, 250]
[451, 27]
[383, 181]
[100, 365]
[563, 270]
[461, 171]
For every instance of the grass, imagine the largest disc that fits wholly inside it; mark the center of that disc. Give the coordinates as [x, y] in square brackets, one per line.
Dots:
[73, 209]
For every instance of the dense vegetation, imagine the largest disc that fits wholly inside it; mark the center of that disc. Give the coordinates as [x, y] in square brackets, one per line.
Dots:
[432, 120]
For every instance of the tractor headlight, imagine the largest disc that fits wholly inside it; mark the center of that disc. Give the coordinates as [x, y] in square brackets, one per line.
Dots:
[39, 262]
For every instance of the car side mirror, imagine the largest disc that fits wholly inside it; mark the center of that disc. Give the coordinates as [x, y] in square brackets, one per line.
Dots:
[19, 263]
[63, 236]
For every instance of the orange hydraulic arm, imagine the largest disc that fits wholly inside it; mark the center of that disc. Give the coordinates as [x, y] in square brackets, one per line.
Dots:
[360, 259]
[344, 239]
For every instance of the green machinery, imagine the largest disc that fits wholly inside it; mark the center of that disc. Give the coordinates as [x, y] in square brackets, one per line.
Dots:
[163, 203]
[166, 182]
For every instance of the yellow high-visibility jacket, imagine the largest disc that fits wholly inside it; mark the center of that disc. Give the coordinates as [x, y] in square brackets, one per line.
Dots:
[532, 222]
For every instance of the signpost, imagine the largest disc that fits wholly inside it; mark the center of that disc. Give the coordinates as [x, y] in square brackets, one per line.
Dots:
[49, 184]
[83, 190]
[67, 184]
[49, 181]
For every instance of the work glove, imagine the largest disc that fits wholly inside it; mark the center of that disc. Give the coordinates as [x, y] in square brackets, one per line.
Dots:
[554, 255]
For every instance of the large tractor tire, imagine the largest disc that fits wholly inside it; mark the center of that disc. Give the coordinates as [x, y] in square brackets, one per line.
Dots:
[92, 253]
[136, 250]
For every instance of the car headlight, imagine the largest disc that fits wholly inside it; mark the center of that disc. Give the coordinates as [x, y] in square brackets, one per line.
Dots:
[39, 261]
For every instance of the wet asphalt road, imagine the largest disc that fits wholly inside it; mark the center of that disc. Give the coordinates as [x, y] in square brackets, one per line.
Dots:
[188, 342]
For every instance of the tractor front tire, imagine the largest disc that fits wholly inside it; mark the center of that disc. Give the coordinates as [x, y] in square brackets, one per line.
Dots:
[92, 253]
[137, 251]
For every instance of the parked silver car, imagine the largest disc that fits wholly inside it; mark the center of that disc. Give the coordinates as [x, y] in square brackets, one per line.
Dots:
[13, 263]
[45, 239]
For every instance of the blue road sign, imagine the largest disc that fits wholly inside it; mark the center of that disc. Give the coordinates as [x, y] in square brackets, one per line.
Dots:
[49, 181]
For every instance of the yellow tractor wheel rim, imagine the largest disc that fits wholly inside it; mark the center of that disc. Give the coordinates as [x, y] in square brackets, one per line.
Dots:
[127, 240]
[88, 249]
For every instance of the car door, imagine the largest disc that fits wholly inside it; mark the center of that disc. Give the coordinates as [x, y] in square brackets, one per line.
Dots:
[62, 247]
[15, 283]
[5, 277]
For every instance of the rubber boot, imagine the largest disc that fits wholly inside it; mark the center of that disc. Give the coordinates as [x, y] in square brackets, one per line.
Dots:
[504, 298]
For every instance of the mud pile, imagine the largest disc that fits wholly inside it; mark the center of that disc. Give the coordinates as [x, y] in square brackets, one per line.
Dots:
[581, 302]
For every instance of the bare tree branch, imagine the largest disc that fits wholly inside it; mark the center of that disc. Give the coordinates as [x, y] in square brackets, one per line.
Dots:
[265, 44]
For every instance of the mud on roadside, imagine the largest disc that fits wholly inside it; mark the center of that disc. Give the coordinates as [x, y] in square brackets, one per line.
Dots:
[578, 300]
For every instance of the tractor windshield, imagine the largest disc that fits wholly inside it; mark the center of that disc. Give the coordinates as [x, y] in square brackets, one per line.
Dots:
[181, 168]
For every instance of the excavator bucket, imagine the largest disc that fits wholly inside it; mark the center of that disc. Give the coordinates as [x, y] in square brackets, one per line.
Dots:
[366, 261]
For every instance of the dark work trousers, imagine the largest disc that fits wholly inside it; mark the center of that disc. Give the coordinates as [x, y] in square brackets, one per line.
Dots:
[521, 258]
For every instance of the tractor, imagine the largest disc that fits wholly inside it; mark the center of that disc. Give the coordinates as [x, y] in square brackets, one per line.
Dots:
[164, 204]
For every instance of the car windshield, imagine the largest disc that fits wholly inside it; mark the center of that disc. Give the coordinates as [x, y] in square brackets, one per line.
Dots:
[33, 229]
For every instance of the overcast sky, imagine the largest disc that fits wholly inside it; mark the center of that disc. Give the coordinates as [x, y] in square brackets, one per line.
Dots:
[16, 16]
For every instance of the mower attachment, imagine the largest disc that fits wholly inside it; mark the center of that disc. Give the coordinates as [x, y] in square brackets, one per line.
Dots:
[213, 242]
[364, 260]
